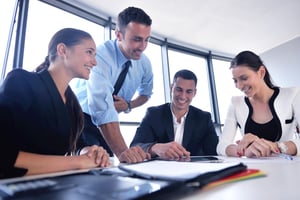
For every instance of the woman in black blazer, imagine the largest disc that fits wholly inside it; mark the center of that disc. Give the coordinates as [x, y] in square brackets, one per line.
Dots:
[40, 117]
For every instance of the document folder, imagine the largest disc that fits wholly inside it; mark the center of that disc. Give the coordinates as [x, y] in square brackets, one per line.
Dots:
[189, 172]
[147, 180]
[88, 186]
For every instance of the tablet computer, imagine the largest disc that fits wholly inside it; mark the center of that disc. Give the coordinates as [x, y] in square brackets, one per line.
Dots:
[205, 158]
[211, 159]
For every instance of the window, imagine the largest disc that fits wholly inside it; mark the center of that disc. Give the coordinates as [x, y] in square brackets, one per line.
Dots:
[196, 64]
[43, 22]
[224, 86]
[6, 15]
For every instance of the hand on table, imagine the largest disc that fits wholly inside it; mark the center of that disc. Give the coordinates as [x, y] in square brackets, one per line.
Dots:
[98, 154]
[134, 155]
[170, 151]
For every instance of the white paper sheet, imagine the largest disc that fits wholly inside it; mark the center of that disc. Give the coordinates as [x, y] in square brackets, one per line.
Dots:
[174, 170]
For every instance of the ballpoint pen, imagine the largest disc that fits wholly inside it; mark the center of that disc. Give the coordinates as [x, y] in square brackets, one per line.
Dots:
[283, 155]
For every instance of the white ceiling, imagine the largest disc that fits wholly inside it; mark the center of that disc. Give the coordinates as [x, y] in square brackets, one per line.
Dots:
[223, 26]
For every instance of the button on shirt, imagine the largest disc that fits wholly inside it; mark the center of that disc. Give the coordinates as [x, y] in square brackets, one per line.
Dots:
[95, 94]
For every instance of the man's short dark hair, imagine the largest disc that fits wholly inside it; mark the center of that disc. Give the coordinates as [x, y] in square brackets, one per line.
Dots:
[132, 14]
[185, 74]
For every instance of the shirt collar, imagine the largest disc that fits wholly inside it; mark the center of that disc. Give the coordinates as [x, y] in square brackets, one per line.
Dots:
[174, 117]
[121, 59]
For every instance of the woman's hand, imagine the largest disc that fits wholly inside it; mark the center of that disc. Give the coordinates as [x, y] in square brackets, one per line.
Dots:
[244, 143]
[261, 148]
[97, 154]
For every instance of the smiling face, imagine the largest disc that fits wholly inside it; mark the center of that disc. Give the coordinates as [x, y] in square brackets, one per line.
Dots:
[248, 80]
[183, 92]
[81, 59]
[134, 40]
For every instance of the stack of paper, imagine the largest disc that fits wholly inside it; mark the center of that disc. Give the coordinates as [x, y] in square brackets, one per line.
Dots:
[180, 171]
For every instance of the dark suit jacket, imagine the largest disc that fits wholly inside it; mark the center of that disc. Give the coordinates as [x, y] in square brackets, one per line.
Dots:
[199, 136]
[35, 119]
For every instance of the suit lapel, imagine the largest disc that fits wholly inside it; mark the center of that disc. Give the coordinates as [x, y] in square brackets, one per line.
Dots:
[188, 129]
[59, 110]
[168, 120]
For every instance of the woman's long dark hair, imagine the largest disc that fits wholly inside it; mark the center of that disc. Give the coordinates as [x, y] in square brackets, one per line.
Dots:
[69, 37]
[253, 61]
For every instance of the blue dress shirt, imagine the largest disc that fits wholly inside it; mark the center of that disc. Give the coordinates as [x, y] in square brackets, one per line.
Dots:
[95, 94]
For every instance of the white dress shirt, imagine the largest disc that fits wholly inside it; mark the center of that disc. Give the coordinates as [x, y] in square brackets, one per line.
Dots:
[178, 128]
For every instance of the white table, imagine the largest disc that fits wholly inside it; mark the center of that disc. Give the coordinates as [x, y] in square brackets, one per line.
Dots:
[282, 182]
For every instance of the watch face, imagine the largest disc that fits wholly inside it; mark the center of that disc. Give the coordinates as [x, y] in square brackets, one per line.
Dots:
[282, 147]
[128, 108]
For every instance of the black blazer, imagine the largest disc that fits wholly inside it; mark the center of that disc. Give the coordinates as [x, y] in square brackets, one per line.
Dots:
[39, 121]
[199, 137]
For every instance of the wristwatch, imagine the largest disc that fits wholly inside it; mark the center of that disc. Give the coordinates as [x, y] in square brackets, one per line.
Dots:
[128, 110]
[282, 147]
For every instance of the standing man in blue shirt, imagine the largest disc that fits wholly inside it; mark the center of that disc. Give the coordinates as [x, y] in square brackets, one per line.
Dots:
[100, 107]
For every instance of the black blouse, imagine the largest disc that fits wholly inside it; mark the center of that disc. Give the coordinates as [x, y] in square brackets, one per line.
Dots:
[271, 130]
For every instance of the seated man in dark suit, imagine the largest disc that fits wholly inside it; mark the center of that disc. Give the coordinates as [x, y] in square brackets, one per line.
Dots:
[177, 129]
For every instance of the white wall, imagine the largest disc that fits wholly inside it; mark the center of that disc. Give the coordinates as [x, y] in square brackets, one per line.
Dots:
[283, 63]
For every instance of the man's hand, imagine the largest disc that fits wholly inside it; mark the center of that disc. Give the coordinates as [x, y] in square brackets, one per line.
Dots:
[120, 104]
[134, 155]
[170, 151]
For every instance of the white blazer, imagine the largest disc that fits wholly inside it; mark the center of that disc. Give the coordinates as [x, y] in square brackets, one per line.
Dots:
[287, 108]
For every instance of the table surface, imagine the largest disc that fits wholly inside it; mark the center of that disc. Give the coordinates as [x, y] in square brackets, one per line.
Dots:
[281, 182]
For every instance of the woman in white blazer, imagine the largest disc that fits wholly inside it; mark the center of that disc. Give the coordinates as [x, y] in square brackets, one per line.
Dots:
[267, 115]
